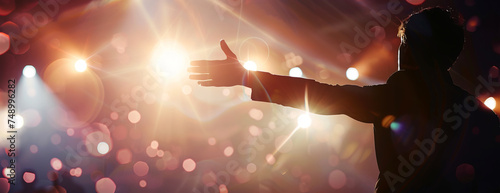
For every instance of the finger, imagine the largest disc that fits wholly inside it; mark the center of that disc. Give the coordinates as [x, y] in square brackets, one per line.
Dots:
[198, 69]
[199, 77]
[213, 83]
[226, 50]
[209, 62]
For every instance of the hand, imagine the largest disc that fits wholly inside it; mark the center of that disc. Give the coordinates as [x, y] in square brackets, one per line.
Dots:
[228, 72]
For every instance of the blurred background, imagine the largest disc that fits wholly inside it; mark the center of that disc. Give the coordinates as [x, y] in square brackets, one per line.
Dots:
[103, 102]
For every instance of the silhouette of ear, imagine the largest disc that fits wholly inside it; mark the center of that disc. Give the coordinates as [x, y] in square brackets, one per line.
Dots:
[226, 50]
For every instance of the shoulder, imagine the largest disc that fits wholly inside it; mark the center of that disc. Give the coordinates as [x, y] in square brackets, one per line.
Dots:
[402, 76]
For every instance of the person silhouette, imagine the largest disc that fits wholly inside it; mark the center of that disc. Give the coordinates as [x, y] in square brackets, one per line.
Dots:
[430, 135]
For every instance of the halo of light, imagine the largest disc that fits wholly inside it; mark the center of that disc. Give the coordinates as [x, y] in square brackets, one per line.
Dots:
[124, 156]
[103, 148]
[4, 43]
[154, 144]
[223, 188]
[78, 172]
[34, 149]
[254, 130]
[151, 152]
[60, 77]
[250, 65]
[29, 177]
[352, 73]
[56, 164]
[105, 185]
[304, 121]
[189, 165]
[295, 72]
[270, 159]
[143, 183]
[141, 168]
[337, 179]
[170, 60]
[256, 114]
[228, 151]
[251, 167]
[97, 134]
[80, 65]
[134, 116]
[29, 71]
[490, 103]
[19, 121]
[212, 141]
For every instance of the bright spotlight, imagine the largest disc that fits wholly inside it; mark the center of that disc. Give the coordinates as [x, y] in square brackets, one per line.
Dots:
[169, 60]
[490, 103]
[29, 71]
[352, 73]
[295, 72]
[304, 121]
[80, 65]
[250, 65]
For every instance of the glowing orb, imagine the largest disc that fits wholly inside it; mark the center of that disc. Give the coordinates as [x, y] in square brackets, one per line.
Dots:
[490, 103]
[80, 65]
[304, 121]
[250, 65]
[169, 60]
[228, 151]
[29, 177]
[352, 73]
[56, 164]
[103, 148]
[105, 185]
[337, 179]
[295, 72]
[29, 71]
[189, 165]
[141, 168]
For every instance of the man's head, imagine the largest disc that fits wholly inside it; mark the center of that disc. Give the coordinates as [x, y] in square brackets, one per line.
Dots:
[431, 39]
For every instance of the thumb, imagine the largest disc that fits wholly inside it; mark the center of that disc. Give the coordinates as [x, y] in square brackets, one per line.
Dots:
[226, 50]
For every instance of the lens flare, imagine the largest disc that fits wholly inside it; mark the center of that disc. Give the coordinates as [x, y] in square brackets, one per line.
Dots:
[304, 121]
[250, 65]
[80, 65]
[170, 60]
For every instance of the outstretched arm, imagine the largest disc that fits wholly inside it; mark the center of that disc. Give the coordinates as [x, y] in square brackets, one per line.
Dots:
[354, 101]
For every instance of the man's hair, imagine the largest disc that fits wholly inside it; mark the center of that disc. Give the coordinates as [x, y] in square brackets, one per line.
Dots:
[433, 33]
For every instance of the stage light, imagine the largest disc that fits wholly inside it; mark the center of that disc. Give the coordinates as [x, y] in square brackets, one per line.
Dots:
[29, 71]
[295, 72]
[80, 65]
[490, 103]
[304, 121]
[352, 73]
[169, 60]
[250, 65]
